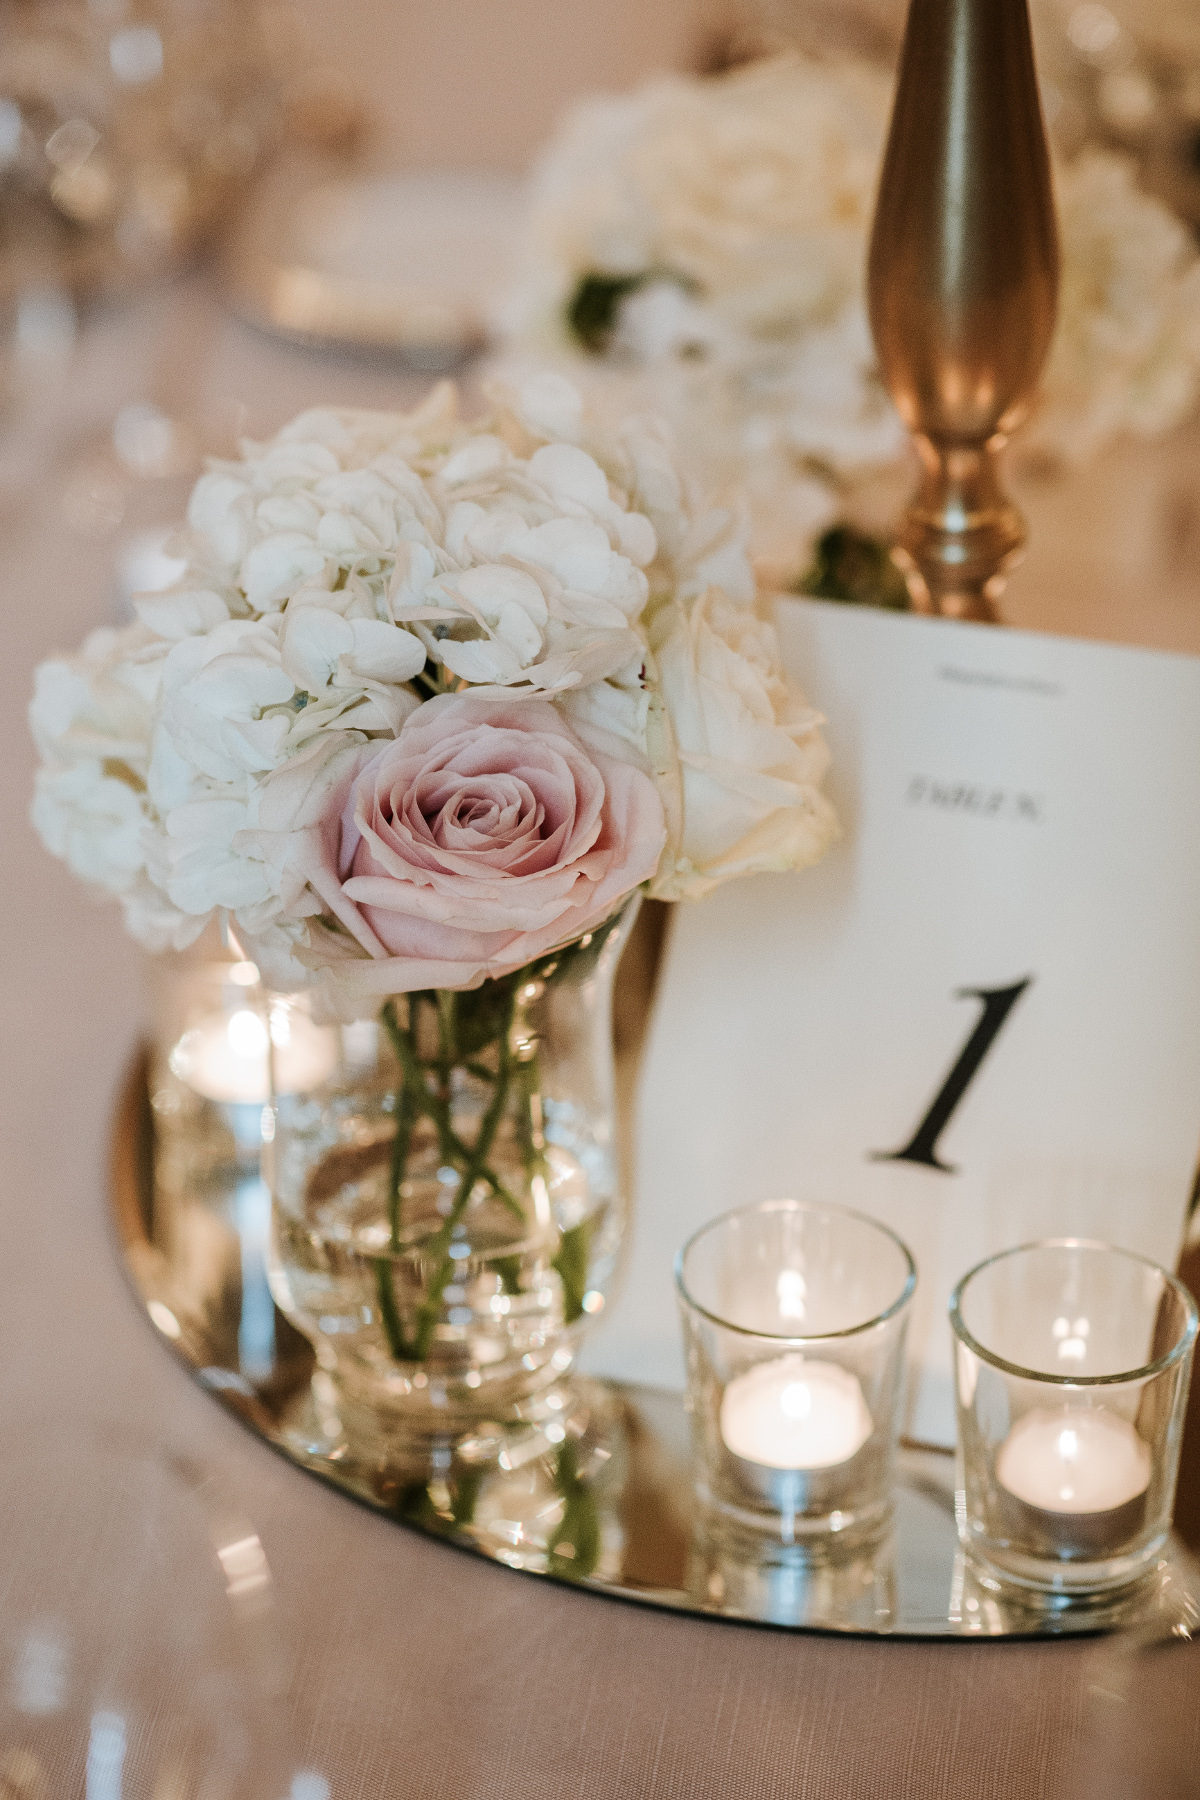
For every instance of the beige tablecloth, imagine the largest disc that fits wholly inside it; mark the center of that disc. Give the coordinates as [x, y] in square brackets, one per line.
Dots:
[419, 1671]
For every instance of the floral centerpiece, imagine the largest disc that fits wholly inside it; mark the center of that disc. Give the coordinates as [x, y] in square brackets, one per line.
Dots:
[432, 703]
[704, 239]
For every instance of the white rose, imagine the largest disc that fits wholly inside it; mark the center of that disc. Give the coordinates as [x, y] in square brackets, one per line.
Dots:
[767, 216]
[750, 752]
[586, 213]
[834, 407]
[756, 188]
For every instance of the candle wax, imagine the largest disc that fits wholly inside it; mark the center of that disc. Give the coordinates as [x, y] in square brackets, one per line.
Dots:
[793, 1413]
[1074, 1460]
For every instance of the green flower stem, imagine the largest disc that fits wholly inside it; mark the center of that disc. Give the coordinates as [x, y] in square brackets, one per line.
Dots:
[445, 1013]
[410, 1091]
[440, 1243]
[576, 1546]
[389, 1312]
[435, 1106]
[469, 1027]
[454, 1152]
[571, 1258]
[529, 1117]
[406, 1118]
[424, 1091]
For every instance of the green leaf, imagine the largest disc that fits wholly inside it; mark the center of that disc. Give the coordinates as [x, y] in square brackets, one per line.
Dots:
[508, 1268]
[593, 307]
[572, 1265]
[850, 566]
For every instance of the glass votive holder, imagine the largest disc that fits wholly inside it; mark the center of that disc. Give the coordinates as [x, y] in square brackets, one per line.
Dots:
[216, 1031]
[794, 1317]
[1072, 1362]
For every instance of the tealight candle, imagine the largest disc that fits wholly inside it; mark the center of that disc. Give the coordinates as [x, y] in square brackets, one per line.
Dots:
[793, 1413]
[1080, 1472]
[226, 1060]
[1071, 1368]
[794, 1316]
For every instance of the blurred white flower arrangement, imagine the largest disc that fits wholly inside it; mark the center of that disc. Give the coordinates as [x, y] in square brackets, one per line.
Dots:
[430, 703]
[702, 243]
[1126, 354]
[431, 698]
[699, 243]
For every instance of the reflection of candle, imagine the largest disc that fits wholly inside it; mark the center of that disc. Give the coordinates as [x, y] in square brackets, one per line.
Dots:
[226, 1060]
[1080, 1474]
[795, 1414]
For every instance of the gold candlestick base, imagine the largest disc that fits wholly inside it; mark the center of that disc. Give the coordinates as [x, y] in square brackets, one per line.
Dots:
[961, 534]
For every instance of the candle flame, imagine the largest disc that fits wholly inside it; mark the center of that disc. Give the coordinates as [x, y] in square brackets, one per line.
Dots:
[790, 1290]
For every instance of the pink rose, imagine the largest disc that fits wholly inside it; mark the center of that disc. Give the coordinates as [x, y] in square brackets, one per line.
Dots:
[482, 836]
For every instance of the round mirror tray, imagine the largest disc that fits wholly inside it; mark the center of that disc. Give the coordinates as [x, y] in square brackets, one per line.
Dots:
[609, 1510]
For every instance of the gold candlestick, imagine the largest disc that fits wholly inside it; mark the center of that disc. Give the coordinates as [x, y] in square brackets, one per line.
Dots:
[963, 285]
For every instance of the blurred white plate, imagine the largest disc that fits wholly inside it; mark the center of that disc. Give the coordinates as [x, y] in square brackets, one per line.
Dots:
[408, 263]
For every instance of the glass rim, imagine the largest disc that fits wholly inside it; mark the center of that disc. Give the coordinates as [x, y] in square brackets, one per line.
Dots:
[1177, 1351]
[775, 1337]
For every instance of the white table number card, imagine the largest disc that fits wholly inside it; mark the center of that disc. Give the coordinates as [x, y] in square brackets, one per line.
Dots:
[979, 1018]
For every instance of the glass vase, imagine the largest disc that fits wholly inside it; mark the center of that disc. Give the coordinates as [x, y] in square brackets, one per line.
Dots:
[448, 1207]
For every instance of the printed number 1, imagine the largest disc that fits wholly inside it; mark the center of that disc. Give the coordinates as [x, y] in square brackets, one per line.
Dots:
[922, 1146]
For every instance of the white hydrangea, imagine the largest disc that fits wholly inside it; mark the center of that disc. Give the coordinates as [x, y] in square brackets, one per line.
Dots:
[724, 223]
[93, 718]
